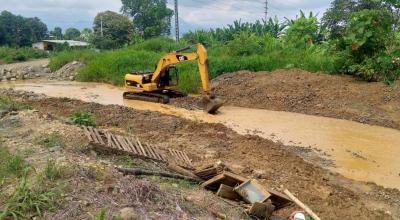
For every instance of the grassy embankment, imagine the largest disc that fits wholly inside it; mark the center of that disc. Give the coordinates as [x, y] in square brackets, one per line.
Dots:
[110, 66]
[12, 55]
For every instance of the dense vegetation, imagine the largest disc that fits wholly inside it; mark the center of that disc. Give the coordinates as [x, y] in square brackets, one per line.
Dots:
[14, 54]
[361, 40]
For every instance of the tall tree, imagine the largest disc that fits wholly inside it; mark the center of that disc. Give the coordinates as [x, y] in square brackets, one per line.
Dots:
[57, 33]
[86, 34]
[20, 31]
[72, 34]
[151, 17]
[337, 17]
[111, 30]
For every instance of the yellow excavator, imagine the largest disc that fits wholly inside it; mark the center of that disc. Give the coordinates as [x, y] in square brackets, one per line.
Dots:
[161, 85]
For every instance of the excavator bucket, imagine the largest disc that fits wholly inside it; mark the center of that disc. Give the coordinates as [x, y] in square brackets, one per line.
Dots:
[211, 105]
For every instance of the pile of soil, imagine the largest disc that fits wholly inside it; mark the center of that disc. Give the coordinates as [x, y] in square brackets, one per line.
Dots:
[330, 195]
[67, 72]
[335, 96]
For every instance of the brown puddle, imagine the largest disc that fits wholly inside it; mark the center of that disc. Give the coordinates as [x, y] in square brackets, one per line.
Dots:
[361, 152]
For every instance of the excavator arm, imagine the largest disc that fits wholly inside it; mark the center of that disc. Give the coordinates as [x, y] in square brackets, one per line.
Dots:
[177, 57]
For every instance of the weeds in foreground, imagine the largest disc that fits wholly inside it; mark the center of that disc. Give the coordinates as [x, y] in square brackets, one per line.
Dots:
[11, 165]
[29, 200]
[102, 214]
[7, 103]
[50, 140]
[52, 171]
[83, 118]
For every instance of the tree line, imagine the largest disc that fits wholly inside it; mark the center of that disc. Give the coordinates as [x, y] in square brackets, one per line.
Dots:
[138, 19]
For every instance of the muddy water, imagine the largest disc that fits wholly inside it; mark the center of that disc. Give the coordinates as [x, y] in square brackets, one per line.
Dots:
[361, 152]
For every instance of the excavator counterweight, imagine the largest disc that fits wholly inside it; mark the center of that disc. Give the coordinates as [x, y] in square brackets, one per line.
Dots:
[161, 85]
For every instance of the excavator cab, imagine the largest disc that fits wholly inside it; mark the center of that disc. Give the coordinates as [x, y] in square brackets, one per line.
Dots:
[169, 78]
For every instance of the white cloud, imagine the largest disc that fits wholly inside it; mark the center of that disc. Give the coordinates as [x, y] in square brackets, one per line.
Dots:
[193, 13]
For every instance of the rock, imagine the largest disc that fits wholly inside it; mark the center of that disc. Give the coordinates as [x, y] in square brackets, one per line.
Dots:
[2, 72]
[4, 78]
[128, 214]
[30, 69]
[72, 78]
[13, 79]
[47, 70]
[45, 65]
[74, 62]
[37, 75]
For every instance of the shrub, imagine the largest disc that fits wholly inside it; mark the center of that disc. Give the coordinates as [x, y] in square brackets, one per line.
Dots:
[83, 118]
[303, 31]
[245, 43]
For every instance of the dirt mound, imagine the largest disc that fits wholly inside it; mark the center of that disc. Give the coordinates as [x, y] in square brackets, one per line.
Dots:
[67, 72]
[330, 195]
[299, 91]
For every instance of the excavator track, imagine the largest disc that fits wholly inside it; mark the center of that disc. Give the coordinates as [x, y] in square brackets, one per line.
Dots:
[148, 97]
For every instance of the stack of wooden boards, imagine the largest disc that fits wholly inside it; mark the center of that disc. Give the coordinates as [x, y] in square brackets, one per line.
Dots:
[241, 191]
[133, 146]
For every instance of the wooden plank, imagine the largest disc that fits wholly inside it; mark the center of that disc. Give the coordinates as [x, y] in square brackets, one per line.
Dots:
[93, 135]
[141, 147]
[117, 143]
[99, 136]
[227, 192]
[150, 152]
[156, 151]
[188, 160]
[109, 140]
[87, 133]
[159, 154]
[210, 182]
[124, 145]
[131, 146]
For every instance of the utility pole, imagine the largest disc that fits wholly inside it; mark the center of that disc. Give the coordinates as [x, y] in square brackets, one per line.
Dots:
[101, 25]
[266, 10]
[176, 21]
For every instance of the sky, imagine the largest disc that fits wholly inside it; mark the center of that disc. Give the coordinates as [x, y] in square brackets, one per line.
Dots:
[193, 14]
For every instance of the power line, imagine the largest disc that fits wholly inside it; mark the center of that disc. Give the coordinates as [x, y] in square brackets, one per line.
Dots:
[266, 9]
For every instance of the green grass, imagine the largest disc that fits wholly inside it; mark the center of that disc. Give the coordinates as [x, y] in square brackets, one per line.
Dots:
[12, 55]
[29, 199]
[8, 103]
[83, 118]
[271, 54]
[11, 165]
[50, 140]
[52, 171]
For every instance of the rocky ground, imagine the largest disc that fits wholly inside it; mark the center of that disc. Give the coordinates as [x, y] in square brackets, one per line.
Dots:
[330, 195]
[27, 70]
[38, 69]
